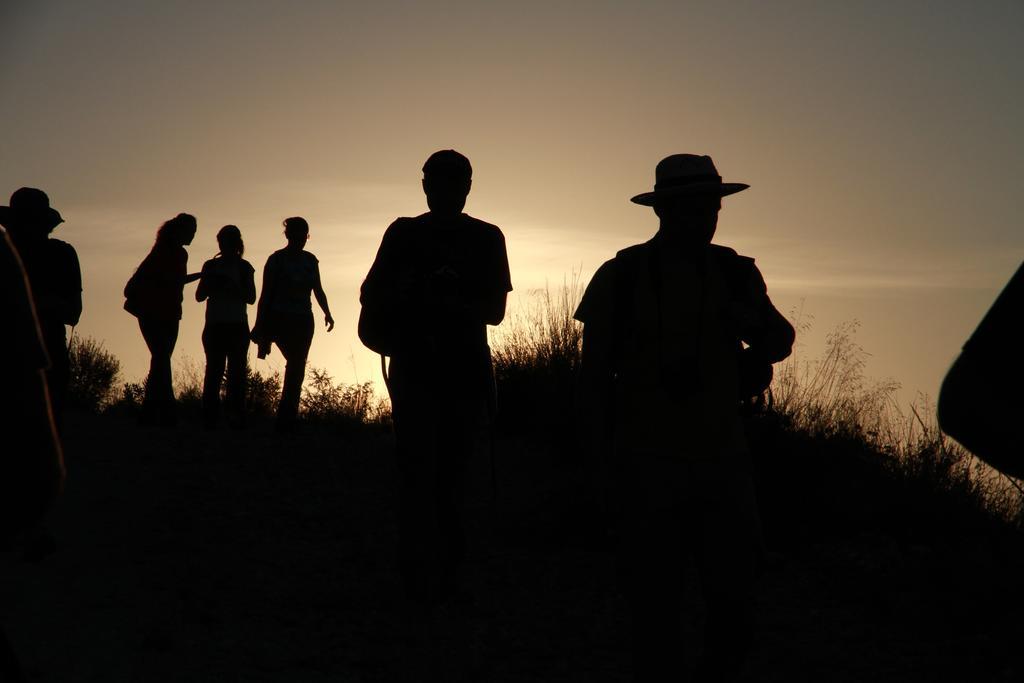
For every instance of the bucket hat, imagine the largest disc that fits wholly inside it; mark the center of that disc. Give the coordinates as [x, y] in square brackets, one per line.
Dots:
[684, 175]
[30, 208]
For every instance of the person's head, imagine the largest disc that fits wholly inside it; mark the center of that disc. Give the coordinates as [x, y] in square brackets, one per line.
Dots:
[296, 229]
[178, 231]
[229, 239]
[29, 214]
[689, 220]
[447, 179]
[687, 197]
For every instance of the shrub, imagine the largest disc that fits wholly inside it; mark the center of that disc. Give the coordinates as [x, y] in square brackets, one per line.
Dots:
[262, 392]
[342, 405]
[94, 375]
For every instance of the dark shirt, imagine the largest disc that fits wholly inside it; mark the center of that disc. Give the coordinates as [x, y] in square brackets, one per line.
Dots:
[436, 279]
[661, 346]
[161, 282]
[55, 276]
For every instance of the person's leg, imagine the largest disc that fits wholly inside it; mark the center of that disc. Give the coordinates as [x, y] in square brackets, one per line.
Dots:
[651, 575]
[453, 443]
[727, 561]
[158, 402]
[216, 352]
[237, 362]
[294, 339]
[418, 555]
[415, 434]
[59, 375]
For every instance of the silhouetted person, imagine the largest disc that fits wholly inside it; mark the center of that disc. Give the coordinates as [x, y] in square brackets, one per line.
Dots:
[661, 380]
[285, 314]
[55, 277]
[227, 286]
[438, 280]
[31, 466]
[980, 396]
[154, 295]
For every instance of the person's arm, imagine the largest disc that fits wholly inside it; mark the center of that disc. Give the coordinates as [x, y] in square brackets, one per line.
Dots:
[73, 302]
[269, 286]
[249, 283]
[384, 288]
[321, 299]
[489, 305]
[594, 401]
[594, 380]
[766, 331]
[492, 307]
[202, 289]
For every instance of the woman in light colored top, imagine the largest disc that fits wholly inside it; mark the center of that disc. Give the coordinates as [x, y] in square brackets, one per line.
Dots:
[285, 315]
[227, 286]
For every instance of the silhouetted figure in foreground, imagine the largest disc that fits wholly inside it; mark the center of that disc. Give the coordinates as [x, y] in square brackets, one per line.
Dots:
[31, 466]
[154, 295]
[662, 376]
[285, 315]
[55, 277]
[438, 280]
[979, 404]
[227, 286]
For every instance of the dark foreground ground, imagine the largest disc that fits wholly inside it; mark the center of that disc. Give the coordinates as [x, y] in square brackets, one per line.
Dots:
[194, 556]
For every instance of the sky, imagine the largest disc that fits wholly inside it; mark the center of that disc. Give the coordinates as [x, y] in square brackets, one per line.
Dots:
[883, 142]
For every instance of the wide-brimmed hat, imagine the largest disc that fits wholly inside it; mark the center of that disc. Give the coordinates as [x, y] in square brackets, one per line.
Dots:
[30, 208]
[684, 175]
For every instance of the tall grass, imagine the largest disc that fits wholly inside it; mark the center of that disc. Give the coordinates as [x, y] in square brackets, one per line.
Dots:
[536, 354]
[831, 397]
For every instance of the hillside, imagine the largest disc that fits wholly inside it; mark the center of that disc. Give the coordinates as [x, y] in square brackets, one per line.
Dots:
[241, 556]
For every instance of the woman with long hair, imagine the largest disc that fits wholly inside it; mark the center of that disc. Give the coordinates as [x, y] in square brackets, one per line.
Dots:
[285, 315]
[227, 286]
[154, 295]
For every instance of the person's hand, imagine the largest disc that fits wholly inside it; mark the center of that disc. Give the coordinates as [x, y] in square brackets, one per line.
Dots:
[329, 321]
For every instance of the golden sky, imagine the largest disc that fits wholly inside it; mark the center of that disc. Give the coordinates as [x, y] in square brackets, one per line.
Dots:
[882, 142]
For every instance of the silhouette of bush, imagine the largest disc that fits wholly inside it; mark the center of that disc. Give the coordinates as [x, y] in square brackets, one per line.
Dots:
[345, 406]
[262, 392]
[94, 375]
[128, 401]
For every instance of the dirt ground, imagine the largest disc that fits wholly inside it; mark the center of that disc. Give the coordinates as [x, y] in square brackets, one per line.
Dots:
[221, 556]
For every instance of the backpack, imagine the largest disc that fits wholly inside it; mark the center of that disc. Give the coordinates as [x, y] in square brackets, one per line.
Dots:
[135, 291]
[377, 329]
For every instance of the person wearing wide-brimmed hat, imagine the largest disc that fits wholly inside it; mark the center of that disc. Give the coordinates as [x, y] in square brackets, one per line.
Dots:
[54, 275]
[678, 332]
